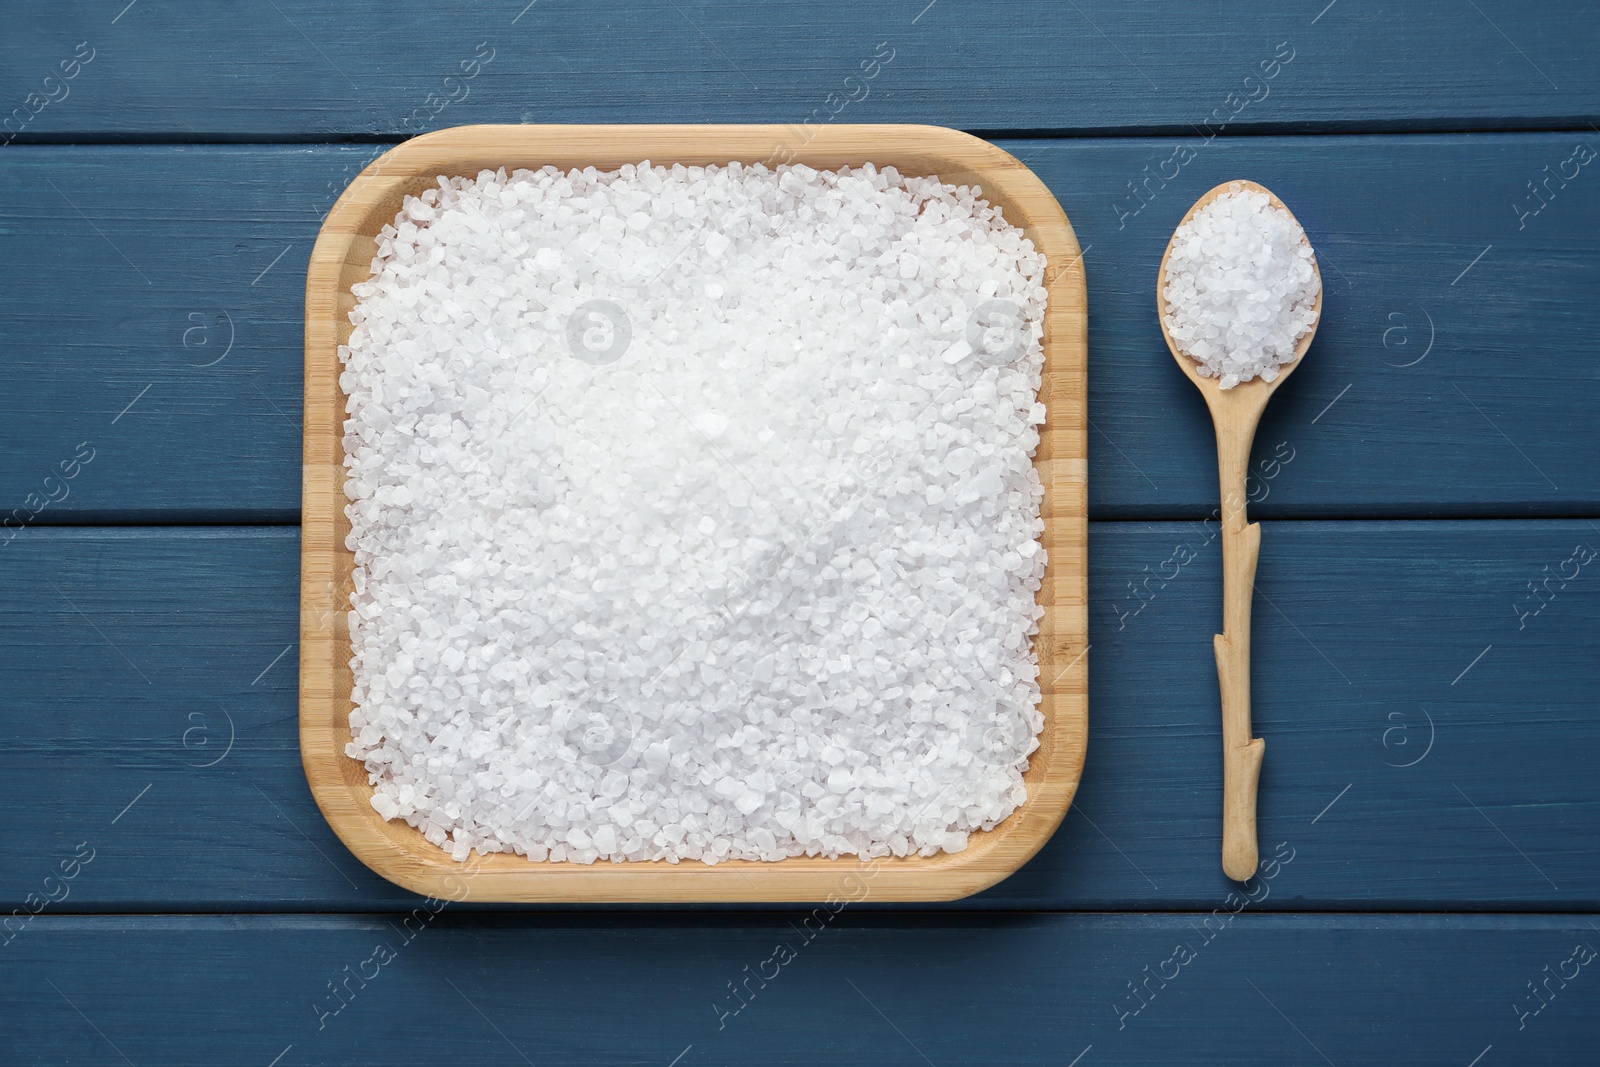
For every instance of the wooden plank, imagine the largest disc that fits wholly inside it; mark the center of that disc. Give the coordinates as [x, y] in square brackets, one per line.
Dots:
[157, 325]
[178, 250]
[341, 259]
[805, 989]
[1439, 382]
[299, 69]
[137, 653]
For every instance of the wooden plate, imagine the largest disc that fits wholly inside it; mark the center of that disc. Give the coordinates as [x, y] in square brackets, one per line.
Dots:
[342, 257]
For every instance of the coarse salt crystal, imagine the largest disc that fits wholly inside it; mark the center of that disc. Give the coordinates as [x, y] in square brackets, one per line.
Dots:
[1241, 288]
[685, 528]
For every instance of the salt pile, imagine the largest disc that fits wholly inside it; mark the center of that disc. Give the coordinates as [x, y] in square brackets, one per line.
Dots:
[693, 514]
[1241, 289]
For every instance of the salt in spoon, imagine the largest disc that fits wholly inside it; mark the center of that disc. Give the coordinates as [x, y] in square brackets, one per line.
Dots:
[1235, 413]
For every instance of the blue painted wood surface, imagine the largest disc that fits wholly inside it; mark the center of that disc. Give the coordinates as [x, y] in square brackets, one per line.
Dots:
[1255, 989]
[1432, 389]
[137, 654]
[302, 70]
[1426, 675]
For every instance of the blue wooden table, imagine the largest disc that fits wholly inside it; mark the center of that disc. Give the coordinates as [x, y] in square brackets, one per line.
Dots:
[1427, 624]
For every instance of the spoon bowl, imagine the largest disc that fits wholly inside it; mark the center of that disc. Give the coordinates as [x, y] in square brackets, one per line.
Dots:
[1235, 414]
[1254, 394]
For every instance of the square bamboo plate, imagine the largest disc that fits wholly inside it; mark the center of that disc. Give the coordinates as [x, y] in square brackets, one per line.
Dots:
[342, 257]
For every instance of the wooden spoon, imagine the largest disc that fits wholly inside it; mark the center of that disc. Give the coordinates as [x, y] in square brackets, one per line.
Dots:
[1235, 413]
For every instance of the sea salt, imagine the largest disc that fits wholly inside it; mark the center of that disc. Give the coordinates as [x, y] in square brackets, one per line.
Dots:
[678, 533]
[1241, 288]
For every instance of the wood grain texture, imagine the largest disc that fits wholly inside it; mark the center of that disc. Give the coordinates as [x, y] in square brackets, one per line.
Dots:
[1429, 299]
[859, 989]
[1360, 630]
[297, 69]
[1396, 220]
[1432, 717]
[342, 257]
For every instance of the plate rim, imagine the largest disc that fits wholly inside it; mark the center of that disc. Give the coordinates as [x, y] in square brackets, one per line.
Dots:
[398, 852]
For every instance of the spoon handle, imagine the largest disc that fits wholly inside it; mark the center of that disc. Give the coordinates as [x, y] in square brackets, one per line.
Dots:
[1241, 753]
